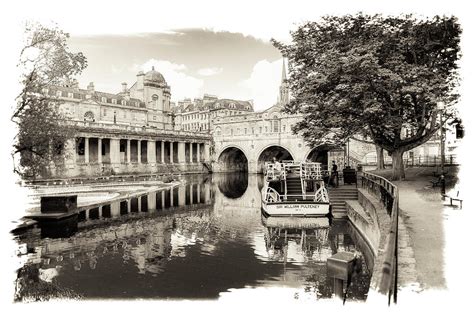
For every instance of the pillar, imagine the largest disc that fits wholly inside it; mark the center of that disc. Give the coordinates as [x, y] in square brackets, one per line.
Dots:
[128, 151]
[207, 193]
[129, 206]
[191, 194]
[181, 152]
[163, 200]
[99, 150]
[151, 152]
[86, 149]
[191, 152]
[151, 202]
[171, 152]
[162, 152]
[171, 197]
[139, 202]
[198, 155]
[198, 189]
[181, 195]
[115, 209]
[207, 153]
[114, 151]
[139, 151]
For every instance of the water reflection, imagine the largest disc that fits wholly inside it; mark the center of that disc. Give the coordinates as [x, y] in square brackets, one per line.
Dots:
[190, 241]
[232, 185]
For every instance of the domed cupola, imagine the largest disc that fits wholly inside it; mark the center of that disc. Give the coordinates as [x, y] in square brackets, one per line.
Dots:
[154, 78]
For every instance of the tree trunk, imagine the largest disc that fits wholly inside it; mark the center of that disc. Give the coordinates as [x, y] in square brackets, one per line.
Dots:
[398, 171]
[380, 160]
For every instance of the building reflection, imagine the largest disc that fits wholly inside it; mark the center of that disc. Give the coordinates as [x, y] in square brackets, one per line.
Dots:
[138, 228]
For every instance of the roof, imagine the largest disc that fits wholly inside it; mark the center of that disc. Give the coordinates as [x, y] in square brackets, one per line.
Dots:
[80, 94]
[154, 76]
[231, 104]
[211, 105]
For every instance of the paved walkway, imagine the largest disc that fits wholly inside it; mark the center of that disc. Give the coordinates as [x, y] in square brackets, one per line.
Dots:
[421, 233]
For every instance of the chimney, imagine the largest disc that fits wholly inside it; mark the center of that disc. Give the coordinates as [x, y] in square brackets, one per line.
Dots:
[124, 87]
[140, 78]
[90, 87]
[75, 84]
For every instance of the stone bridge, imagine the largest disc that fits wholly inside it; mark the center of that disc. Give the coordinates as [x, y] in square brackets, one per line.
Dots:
[246, 142]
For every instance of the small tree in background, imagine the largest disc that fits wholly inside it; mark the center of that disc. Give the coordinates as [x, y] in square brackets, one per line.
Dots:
[376, 75]
[45, 61]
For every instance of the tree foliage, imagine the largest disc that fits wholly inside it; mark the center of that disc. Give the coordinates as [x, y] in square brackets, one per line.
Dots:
[45, 62]
[373, 75]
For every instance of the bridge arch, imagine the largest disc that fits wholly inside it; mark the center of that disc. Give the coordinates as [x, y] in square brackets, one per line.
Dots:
[272, 151]
[231, 159]
[319, 154]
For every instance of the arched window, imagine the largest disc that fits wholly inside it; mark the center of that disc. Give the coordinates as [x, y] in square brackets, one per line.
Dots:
[154, 99]
[276, 126]
[89, 116]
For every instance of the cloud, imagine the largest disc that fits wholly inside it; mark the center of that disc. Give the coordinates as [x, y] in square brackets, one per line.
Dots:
[206, 72]
[263, 84]
[182, 85]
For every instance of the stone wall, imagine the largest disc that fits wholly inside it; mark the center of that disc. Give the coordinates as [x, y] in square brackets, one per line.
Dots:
[371, 220]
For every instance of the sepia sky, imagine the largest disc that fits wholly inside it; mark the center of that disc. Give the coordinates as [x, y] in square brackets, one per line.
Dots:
[193, 62]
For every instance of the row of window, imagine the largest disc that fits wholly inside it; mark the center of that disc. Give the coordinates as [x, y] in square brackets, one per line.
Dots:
[195, 116]
[196, 126]
[187, 117]
[274, 128]
[89, 115]
[81, 96]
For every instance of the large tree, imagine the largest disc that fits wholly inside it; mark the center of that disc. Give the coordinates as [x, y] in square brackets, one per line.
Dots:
[376, 75]
[45, 62]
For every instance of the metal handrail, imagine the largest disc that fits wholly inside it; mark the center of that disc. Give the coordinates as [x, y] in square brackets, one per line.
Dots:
[389, 195]
[320, 195]
[273, 173]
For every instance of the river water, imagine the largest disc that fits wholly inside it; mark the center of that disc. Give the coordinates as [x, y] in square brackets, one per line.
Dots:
[203, 239]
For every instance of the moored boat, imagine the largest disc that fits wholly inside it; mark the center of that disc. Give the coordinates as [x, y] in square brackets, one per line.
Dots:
[294, 189]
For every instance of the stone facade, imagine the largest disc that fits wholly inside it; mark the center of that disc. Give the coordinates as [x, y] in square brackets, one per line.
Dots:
[126, 133]
[199, 114]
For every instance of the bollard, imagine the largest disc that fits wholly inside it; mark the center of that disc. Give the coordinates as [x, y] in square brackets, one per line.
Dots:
[340, 267]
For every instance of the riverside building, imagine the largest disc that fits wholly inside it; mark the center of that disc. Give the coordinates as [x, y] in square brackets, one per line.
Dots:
[132, 131]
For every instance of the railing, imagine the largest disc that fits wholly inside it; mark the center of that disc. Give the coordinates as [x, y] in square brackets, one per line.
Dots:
[271, 195]
[387, 192]
[433, 160]
[275, 171]
[311, 171]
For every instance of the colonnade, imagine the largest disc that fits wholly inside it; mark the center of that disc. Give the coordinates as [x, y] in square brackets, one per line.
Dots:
[116, 151]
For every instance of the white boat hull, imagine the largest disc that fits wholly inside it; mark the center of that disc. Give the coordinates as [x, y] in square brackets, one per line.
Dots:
[296, 209]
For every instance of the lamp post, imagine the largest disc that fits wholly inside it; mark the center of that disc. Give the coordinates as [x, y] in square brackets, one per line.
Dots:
[441, 107]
